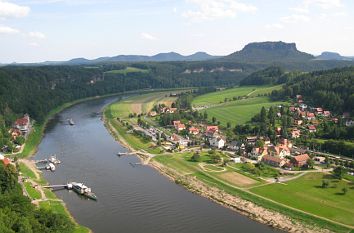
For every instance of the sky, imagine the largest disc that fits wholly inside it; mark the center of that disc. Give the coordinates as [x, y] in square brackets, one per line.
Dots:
[55, 30]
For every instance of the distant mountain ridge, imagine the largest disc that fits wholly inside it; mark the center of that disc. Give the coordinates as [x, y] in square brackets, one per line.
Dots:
[161, 57]
[268, 52]
[333, 56]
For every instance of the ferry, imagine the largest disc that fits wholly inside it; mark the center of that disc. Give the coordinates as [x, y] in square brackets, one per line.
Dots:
[82, 189]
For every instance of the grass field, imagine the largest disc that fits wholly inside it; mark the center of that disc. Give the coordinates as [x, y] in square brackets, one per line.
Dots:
[240, 111]
[236, 111]
[306, 194]
[32, 192]
[219, 96]
[140, 104]
[127, 70]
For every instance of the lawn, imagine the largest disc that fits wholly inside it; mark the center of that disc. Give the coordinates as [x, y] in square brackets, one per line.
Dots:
[219, 96]
[32, 192]
[127, 70]
[241, 111]
[27, 172]
[306, 194]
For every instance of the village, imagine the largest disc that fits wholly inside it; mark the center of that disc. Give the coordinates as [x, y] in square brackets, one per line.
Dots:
[182, 130]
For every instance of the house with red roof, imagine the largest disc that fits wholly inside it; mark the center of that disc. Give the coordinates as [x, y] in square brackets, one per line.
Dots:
[4, 160]
[273, 161]
[23, 123]
[295, 133]
[310, 116]
[193, 130]
[312, 128]
[300, 160]
[326, 113]
[211, 131]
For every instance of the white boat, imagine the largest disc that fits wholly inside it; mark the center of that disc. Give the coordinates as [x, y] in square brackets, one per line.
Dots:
[71, 121]
[50, 167]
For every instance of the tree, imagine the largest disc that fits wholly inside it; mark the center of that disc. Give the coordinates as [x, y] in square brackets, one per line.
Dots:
[263, 115]
[195, 157]
[339, 172]
[215, 158]
[213, 119]
[310, 163]
[205, 115]
[228, 125]
[325, 183]
[344, 190]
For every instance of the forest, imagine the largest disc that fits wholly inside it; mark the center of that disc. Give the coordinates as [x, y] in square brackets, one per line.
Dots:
[37, 90]
[332, 89]
[18, 214]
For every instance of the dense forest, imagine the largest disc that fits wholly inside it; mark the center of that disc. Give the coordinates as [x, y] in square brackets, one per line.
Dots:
[332, 89]
[272, 75]
[18, 214]
[37, 90]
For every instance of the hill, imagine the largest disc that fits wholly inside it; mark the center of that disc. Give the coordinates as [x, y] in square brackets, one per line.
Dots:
[269, 52]
[332, 56]
[160, 57]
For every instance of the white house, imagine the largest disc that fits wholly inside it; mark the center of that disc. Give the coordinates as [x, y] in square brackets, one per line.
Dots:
[236, 160]
[217, 142]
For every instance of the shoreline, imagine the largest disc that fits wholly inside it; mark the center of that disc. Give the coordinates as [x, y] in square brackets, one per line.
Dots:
[238, 204]
[36, 135]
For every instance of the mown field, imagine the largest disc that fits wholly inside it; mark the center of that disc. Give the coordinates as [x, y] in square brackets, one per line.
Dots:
[141, 103]
[306, 193]
[249, 101]
[219, 96]
[240, 111]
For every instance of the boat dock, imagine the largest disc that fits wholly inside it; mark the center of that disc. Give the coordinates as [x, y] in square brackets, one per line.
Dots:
[79, 188]
[125, 153]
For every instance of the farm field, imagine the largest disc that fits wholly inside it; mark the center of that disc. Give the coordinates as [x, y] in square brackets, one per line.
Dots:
[240, 111]
[127, 70]
[140, 104]
[219, 96]
[306, 194]
[182, 163]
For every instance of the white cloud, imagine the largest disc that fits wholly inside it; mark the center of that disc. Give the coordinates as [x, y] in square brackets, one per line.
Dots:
[148, 36]
[324, 4]
[37, 35]
[274, 26]
[8, 9]
[33, 44]
[8, 30]
[213, 9]
[295, 18]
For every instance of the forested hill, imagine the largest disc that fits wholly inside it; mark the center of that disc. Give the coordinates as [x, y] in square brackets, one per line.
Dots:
[332, 89]
[37, 90]
[270, 76]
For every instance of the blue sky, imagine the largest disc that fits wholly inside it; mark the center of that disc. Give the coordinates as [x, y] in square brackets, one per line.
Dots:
[40, 30]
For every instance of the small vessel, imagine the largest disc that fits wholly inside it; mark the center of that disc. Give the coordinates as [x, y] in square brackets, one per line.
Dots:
[71, 121]
[82, 189]
[50, 167]
[53, 159]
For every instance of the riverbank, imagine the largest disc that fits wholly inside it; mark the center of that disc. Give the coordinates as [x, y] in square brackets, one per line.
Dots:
[241, 200]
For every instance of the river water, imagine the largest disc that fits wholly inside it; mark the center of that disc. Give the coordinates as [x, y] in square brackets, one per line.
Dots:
[130, 199]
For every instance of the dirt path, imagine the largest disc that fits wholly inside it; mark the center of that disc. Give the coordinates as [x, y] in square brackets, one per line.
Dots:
[32, 166]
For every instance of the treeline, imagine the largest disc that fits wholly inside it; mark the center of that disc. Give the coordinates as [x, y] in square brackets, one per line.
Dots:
[270, 76]
[37, 90]
[18, 214]
[333, 89]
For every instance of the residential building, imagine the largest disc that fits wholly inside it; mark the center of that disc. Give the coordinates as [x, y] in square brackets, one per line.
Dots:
[273, 161]
[257, 153]
[218, 142]
[23, 123]
[295, 133]
[193, 130]
[300, 160]
[312, 128]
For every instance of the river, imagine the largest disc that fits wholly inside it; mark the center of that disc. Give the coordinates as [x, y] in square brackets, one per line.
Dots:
[130, 199]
